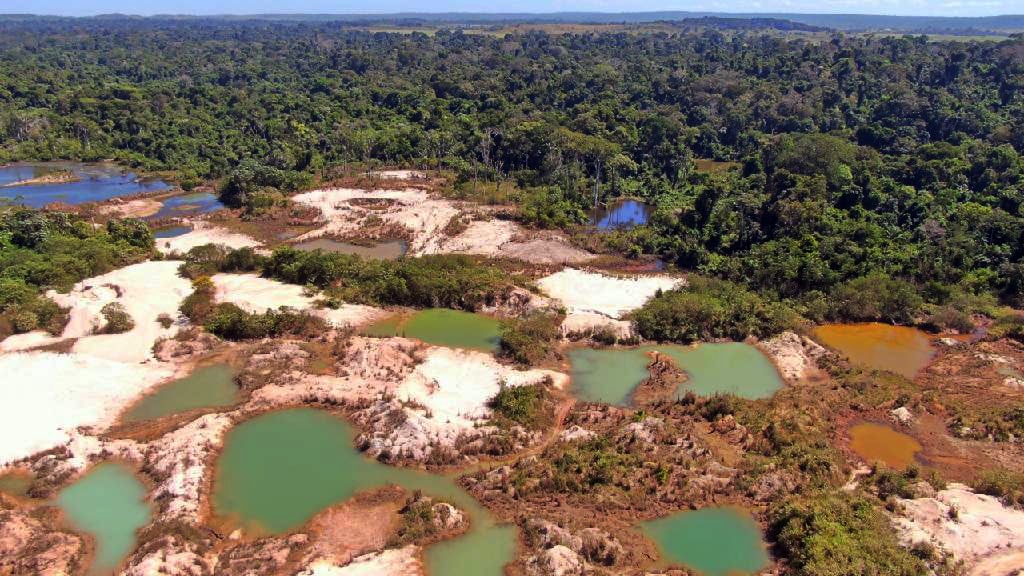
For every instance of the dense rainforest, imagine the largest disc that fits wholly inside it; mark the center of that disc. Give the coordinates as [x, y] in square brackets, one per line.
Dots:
[815, 168]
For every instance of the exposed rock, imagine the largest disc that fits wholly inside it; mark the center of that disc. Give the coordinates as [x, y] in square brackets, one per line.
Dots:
[795, 357]
[400, 562]
[170, 556]
[968, 526]
[902, 415]
[600, 547]
[29, 547]
[574, 433]
[556, 561]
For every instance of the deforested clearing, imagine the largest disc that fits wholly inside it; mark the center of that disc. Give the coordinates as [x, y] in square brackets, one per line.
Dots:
[145, 290]
[255, 294]
[582, 291]
[204, 233]
[44, 396]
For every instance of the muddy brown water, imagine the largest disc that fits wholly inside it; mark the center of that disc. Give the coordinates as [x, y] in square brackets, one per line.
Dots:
[898, 349]
[880, 443]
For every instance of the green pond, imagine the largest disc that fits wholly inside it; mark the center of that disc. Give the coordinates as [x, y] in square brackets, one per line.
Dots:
[109, 504]
[443, 327]
[610, 375]
[712, 541]
[278, 470]
[210, 386]
[386, 250]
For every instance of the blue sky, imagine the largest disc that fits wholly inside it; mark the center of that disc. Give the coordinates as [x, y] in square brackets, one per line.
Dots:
[148, 7]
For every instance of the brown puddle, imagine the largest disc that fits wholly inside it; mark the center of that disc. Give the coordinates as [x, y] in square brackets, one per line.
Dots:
[898, 349]
[879, 443]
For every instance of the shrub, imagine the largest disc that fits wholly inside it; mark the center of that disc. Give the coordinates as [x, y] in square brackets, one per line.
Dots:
[118, 319]
[876, 297]
[529, 340]
[25, 321]
[198, 305]
[232, 323]
[709, 309]
[1002, 483]
[833, 533]
[521, 404]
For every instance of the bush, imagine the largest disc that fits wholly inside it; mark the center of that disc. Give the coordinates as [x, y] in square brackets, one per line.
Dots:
[437, 281]
[118, 319]
[832, 533]
[876, 297]
[232, 323]
[1002, 483]
[529, 340]
[522, 404]
[198, 306]
[709, 309]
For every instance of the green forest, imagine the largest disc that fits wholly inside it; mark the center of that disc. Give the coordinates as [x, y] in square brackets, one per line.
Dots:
[851, 175]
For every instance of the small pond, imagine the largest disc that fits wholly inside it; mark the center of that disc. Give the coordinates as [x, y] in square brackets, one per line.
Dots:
[880, 443]
[610, 375]
[96, 182]
[898, 349]
[188, 205]
[621, 214]
[712, 541]
[279, 469]
[443, 327]
[108, 503]
[172, 231]
[207, 387]
[15, 483]
[387, 250]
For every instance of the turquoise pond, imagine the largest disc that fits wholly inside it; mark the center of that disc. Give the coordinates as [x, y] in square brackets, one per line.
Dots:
[712, 541]
[279, 469]
[109, 504]
[609, 375]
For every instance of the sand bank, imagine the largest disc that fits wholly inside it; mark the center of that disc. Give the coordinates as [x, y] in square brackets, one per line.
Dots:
[145, 290]
[45, 396]
[255, 294]
[204, 233]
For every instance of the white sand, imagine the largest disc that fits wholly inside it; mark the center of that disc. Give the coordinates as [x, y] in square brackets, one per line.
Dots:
[28, 340]
[425, 219]
[981, 528]
[590, 323]
[399, 174]
[137, 208]
[255, 294]
[610, 296]
[145, 290]
[453, 388]
[44, 396]
[204, 233]
[394, 562]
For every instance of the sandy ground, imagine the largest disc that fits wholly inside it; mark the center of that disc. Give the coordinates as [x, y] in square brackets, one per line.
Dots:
[588, 294]
[146, 291]
[257, 295]
[589, 323]
[204, 233]
[399, 174]
[980, 531]
[137, 208]
[425, 219]
[396, 562]
[45, 396]
[33, 339]
[422, 396]
[505, 239]
[795, 357]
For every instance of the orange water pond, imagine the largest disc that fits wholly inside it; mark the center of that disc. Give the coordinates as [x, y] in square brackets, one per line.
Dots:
[898, 349]
[878, 443]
